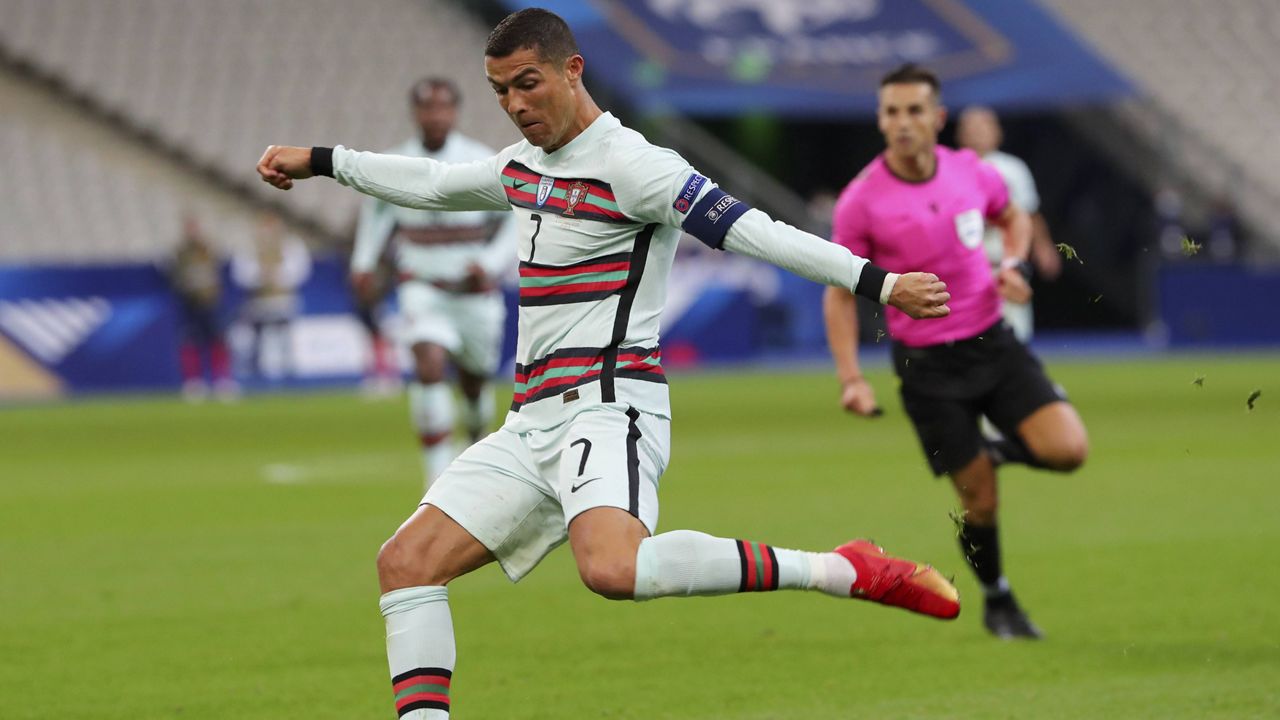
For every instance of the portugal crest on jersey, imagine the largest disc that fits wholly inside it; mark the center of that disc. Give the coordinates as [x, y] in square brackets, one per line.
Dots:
[544, 189]
[576, 194]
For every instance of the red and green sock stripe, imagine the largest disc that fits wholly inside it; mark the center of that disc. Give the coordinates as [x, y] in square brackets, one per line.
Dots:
[422, 689]
[759, 567]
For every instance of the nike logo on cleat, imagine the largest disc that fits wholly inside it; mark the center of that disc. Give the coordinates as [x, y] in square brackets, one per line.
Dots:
[576, 488]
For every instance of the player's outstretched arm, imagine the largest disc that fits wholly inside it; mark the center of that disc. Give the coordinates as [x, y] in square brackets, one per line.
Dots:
[421, 183]
[920, 295]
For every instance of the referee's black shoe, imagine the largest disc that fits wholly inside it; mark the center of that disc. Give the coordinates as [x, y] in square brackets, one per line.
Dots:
[1006, 620]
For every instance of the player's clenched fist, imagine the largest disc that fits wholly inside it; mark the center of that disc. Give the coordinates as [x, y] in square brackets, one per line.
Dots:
[281, 165]
[920, 295]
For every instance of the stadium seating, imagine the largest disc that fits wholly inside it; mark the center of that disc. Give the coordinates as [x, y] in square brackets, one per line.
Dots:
[1207, 72]
[75, 192]
[219, 81]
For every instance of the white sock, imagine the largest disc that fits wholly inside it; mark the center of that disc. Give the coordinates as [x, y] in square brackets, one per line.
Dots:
[432, 413]
[686, 562]
[477, 415]
[420, 650]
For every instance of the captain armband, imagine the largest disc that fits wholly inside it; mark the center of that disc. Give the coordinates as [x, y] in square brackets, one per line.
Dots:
[710, 219]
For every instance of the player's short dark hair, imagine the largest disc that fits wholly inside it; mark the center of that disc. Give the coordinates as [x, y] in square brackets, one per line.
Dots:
[912, 73]
[422, 90]
[534, 29]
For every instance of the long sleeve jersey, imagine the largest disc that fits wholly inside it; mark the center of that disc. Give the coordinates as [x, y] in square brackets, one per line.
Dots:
[433, 245]
[598, 221]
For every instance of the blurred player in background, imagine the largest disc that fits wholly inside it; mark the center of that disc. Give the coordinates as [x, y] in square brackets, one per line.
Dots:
[450, 266]
[978, 129]
[272, 272]
[195, 273]
[600, 212]
[919, 202]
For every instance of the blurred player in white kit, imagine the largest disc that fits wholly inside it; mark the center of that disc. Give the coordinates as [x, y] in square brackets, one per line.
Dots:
[450, 266]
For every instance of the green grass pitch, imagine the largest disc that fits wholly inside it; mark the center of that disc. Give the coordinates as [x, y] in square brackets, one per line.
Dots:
[161, 560]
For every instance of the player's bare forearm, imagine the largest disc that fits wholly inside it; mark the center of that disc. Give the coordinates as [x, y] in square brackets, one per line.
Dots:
[1044, 256]
[280, 165]
[1015, 225]
[840, 314]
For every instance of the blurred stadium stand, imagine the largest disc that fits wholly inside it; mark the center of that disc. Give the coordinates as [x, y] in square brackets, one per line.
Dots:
[77, 192]
[1208, 108]
[213, 83]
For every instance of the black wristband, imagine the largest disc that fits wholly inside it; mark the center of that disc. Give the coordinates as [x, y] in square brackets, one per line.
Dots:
[871, 282]
[1025, 268]
[322, 161]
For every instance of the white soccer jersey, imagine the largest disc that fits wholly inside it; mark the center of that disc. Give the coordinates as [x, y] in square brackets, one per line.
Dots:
[432, 245]
[1022, 192]
[598, 223]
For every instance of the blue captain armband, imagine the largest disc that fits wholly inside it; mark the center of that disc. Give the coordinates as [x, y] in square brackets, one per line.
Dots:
[711, 218]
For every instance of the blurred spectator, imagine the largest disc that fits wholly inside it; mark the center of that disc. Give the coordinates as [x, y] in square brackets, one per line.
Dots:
[1225, 244]
[194, 271]
[271, 271]
[1170, 228]
[979, 130]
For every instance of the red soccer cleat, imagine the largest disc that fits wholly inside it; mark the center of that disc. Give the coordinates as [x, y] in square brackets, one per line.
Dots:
[901, 583]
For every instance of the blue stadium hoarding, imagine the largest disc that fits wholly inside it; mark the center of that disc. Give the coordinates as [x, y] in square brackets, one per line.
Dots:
[825, 57]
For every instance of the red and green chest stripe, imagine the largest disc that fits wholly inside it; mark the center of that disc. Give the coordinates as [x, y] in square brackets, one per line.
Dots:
[593, 279]
[583, 198]
[568, 368]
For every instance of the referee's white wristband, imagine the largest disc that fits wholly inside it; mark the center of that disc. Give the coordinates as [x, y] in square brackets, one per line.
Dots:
[887, 288]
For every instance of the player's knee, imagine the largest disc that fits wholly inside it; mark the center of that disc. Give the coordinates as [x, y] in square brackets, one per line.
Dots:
[615, 581]
[1067, 454]
[429, 373]
[400, 565]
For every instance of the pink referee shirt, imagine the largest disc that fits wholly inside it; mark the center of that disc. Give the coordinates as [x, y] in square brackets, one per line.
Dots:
[935, 226]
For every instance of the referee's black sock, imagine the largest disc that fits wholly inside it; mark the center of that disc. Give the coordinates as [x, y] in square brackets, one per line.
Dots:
[981, 547]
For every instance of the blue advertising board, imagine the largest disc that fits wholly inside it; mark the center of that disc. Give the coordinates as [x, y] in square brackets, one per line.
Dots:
[825, 57]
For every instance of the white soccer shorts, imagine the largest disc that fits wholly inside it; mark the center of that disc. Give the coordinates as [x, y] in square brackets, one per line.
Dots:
[1021, 320]
[517, 492]
[468, 325]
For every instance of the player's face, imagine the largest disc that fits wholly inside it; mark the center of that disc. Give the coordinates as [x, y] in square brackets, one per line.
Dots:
[536, 94]
[910, 118]
[978, 130]
[436, 114]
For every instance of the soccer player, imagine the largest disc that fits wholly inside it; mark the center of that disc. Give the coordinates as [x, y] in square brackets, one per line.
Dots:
[449, 265]
[599, 212]
[923, 203]
[978, 129]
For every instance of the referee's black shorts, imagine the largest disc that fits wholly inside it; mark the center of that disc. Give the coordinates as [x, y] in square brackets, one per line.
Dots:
[946, 387]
